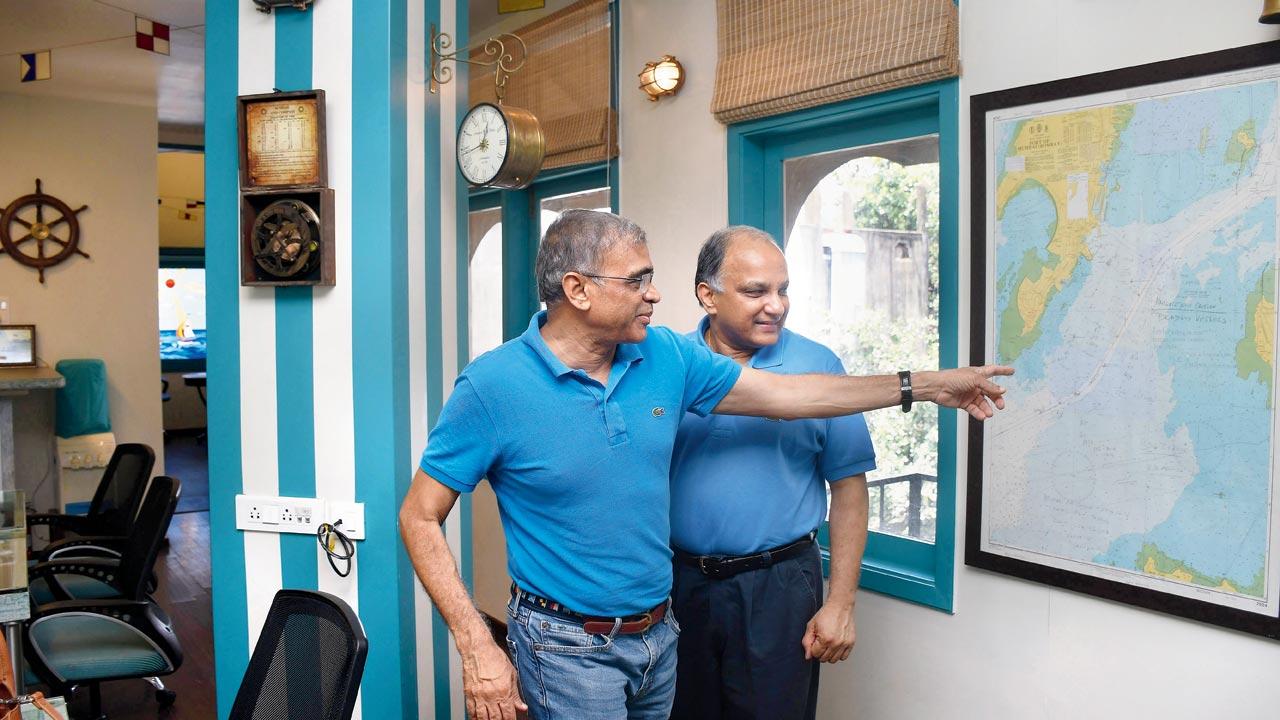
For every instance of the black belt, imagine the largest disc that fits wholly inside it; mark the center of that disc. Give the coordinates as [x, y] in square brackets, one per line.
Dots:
[591, 624]
[726, 566]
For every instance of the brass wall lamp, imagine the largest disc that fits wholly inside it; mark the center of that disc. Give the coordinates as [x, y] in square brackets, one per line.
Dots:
[267, 6]
[662, 77]
[1270, 12]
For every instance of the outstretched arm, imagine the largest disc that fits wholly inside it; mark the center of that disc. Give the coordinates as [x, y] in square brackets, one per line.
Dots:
[488, 679]
[789, 397]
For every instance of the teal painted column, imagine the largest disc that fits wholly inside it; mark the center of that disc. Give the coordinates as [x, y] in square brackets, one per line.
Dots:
[222, 263]
[380, 351]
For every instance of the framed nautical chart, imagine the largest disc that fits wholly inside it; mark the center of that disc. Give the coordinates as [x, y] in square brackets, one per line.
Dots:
[1124, 263]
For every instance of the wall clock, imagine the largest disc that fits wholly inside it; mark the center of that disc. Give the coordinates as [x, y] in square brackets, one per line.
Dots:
[500, 146]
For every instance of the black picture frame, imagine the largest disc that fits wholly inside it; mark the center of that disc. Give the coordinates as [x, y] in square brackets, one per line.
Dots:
[30, 330]
[1224, 61]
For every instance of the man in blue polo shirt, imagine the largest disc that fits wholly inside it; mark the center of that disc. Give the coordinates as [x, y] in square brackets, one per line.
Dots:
[573, 424]
[746, 496]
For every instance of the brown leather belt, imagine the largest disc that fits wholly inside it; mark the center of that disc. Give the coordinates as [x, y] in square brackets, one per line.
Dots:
[591, 624]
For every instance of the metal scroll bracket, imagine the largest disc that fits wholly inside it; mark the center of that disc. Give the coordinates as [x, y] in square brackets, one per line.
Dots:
[501, 55]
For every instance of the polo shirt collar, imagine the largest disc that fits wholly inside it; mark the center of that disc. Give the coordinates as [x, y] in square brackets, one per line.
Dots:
[626, 353]
[766, 357]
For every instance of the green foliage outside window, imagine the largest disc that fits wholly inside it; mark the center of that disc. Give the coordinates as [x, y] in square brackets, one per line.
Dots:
[888, 197]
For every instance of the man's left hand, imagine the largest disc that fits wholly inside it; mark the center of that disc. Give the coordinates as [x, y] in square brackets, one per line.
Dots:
[830, 635]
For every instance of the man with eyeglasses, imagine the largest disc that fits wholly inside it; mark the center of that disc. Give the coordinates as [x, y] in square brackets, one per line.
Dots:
[747, 495]
[573, 424]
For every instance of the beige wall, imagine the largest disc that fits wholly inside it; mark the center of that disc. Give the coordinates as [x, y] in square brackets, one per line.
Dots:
[180, 176]
[1013, 649]
[103, 156]
[672, 174]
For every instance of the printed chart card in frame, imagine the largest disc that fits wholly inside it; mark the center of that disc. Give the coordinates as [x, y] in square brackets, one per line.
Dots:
[1124, 263]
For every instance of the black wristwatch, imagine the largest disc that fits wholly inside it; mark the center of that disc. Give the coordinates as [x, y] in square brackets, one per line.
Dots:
[904, 377]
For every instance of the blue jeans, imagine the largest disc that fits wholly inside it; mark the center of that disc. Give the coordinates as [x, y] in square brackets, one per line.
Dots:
[566, 674]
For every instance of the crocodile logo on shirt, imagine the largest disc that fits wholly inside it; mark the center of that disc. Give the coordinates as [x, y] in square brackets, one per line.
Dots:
[659, 412]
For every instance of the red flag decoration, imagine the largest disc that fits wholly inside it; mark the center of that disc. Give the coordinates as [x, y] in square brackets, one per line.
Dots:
[152, 35]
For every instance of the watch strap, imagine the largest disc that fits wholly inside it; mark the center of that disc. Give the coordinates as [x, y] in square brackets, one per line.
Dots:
[904, 384]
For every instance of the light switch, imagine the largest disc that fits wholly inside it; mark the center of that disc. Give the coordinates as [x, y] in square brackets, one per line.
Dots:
[4, 311]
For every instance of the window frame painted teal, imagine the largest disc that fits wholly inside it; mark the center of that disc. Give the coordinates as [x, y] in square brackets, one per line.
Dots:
[920, 572]
[521, 230]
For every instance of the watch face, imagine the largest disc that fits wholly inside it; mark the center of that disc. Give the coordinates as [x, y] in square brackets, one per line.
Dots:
[482, 144]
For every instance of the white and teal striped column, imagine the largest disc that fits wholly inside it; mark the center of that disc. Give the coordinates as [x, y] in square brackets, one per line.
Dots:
[329, 392]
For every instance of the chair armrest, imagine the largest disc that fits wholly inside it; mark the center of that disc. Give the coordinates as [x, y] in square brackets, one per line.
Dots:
[80, 524]
[104, 570]
[102, 546]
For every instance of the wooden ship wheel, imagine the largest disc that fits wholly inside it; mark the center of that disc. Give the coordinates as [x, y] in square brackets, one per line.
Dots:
[33, 224]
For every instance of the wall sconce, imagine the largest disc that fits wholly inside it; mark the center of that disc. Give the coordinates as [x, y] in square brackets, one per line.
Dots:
[267, 6]
[663, 77]
[1270, 12]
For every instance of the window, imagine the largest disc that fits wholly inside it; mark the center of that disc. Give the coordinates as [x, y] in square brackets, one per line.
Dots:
[862, 253]
[505, 229]
[484, 311]
[863, 197]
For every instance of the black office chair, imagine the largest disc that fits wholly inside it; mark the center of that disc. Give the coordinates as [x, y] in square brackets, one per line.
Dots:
[71, 642]
[115, 502]
[58, 578]
[308, 661]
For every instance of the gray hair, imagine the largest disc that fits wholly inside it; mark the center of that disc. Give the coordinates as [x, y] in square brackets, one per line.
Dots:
[576, 242]
[711, 256]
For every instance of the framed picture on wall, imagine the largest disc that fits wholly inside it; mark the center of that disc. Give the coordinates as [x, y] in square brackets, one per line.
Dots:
[17, 345]
[1125, 246]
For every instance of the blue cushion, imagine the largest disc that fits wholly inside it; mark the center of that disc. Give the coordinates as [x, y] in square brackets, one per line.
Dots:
[92, 647]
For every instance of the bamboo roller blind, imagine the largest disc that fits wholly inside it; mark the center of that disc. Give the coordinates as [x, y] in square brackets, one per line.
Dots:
[784, 55]
[564, 82]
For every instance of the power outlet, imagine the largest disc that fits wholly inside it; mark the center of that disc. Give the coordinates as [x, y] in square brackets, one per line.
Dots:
[271, 513]
[352, 516]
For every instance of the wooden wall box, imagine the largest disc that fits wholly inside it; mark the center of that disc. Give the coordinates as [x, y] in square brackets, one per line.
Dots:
[272, 246]
[282, 140]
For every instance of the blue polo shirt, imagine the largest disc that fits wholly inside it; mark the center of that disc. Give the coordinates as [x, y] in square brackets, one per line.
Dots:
[581, 470]
[740, 485]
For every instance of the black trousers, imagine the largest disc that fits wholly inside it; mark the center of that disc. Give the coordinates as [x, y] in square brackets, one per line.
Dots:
[740, 651]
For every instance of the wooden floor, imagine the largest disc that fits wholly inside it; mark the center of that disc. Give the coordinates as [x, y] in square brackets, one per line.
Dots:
[184, 592]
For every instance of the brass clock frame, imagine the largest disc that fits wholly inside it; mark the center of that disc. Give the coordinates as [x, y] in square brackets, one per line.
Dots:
[526, 147]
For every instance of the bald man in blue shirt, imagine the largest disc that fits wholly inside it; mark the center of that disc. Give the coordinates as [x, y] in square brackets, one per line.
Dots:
[746, 497]
[573, 424]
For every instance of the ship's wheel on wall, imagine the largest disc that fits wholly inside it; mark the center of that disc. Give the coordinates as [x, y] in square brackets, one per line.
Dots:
[34, 224]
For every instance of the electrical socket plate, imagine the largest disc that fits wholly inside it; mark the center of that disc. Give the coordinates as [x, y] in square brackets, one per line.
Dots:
[352, 516]
[272, 513]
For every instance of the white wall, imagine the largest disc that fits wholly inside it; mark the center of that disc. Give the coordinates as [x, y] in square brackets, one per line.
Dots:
[104, 156]
[1014, 649]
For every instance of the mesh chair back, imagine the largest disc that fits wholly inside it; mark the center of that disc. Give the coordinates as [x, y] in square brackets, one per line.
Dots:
[120, 491]
[308, 661]
[147, 535]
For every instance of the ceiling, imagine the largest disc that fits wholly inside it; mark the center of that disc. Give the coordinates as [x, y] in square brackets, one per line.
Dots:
[94, 56]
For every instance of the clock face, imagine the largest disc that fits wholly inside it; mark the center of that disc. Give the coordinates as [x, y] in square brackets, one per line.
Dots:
[482, 144]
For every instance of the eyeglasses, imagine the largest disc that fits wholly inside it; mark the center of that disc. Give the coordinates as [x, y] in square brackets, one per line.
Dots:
[640, 284]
